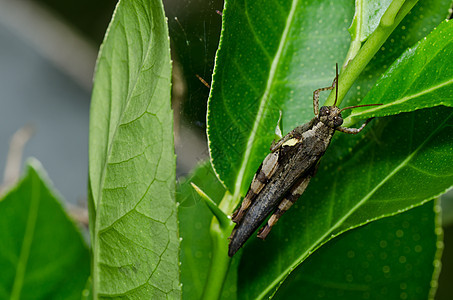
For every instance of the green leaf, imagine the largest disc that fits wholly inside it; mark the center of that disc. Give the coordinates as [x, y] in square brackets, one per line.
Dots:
[132, 161]
[42, 254]
[393, 258]
[400, 163]
[415, 26]
[367, 16]
[420, 78]
[366, 19]
[265, 64]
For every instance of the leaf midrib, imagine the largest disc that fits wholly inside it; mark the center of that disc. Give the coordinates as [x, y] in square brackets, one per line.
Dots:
[128, 99]
[404, 99]
[322, 240]
[263, 101]
[28, 238]
[409, 97]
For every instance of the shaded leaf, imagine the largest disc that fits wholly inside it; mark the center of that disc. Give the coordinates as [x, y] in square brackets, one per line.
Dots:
[387, 259]
[420, 78]
[132, 161]
[42, 254]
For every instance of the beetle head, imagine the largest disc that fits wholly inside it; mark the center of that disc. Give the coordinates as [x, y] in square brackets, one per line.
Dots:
[331, 116]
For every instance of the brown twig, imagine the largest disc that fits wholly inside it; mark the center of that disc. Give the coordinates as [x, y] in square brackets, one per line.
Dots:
[14, 159]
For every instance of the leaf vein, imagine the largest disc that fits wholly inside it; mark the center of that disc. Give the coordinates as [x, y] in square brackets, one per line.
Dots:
[264, 99]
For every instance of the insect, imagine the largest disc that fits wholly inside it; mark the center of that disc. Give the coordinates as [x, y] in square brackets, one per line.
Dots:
[286, 171]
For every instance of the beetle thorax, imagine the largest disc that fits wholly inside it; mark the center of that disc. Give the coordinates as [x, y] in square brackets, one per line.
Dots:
[330, 116]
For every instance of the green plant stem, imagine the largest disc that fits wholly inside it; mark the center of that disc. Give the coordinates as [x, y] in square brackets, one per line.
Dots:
[220, 261]
[394, 14]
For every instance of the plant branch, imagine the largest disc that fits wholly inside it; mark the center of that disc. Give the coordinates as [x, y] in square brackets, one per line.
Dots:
[394, 14]
[220, 261]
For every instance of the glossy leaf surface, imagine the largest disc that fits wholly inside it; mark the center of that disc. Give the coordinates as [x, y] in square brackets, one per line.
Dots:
[248, 93]
[266, 64]
[387, 259]
[420, 78]
[422, 19]
[132, 161]
[42, 254]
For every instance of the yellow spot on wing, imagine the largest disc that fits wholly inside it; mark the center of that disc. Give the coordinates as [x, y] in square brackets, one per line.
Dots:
[291, 142]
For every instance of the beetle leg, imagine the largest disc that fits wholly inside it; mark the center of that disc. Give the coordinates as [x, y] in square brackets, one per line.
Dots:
[293, 137]
[316, 96]
[354, 130]
[285, 204]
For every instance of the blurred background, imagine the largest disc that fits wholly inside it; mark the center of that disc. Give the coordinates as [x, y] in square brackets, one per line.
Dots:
[48, 50]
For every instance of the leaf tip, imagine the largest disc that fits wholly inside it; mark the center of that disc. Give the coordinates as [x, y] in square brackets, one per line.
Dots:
[223, 219]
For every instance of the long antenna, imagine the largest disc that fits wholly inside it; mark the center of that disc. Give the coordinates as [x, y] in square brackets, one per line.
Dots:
[349, 107]
[336, 84]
